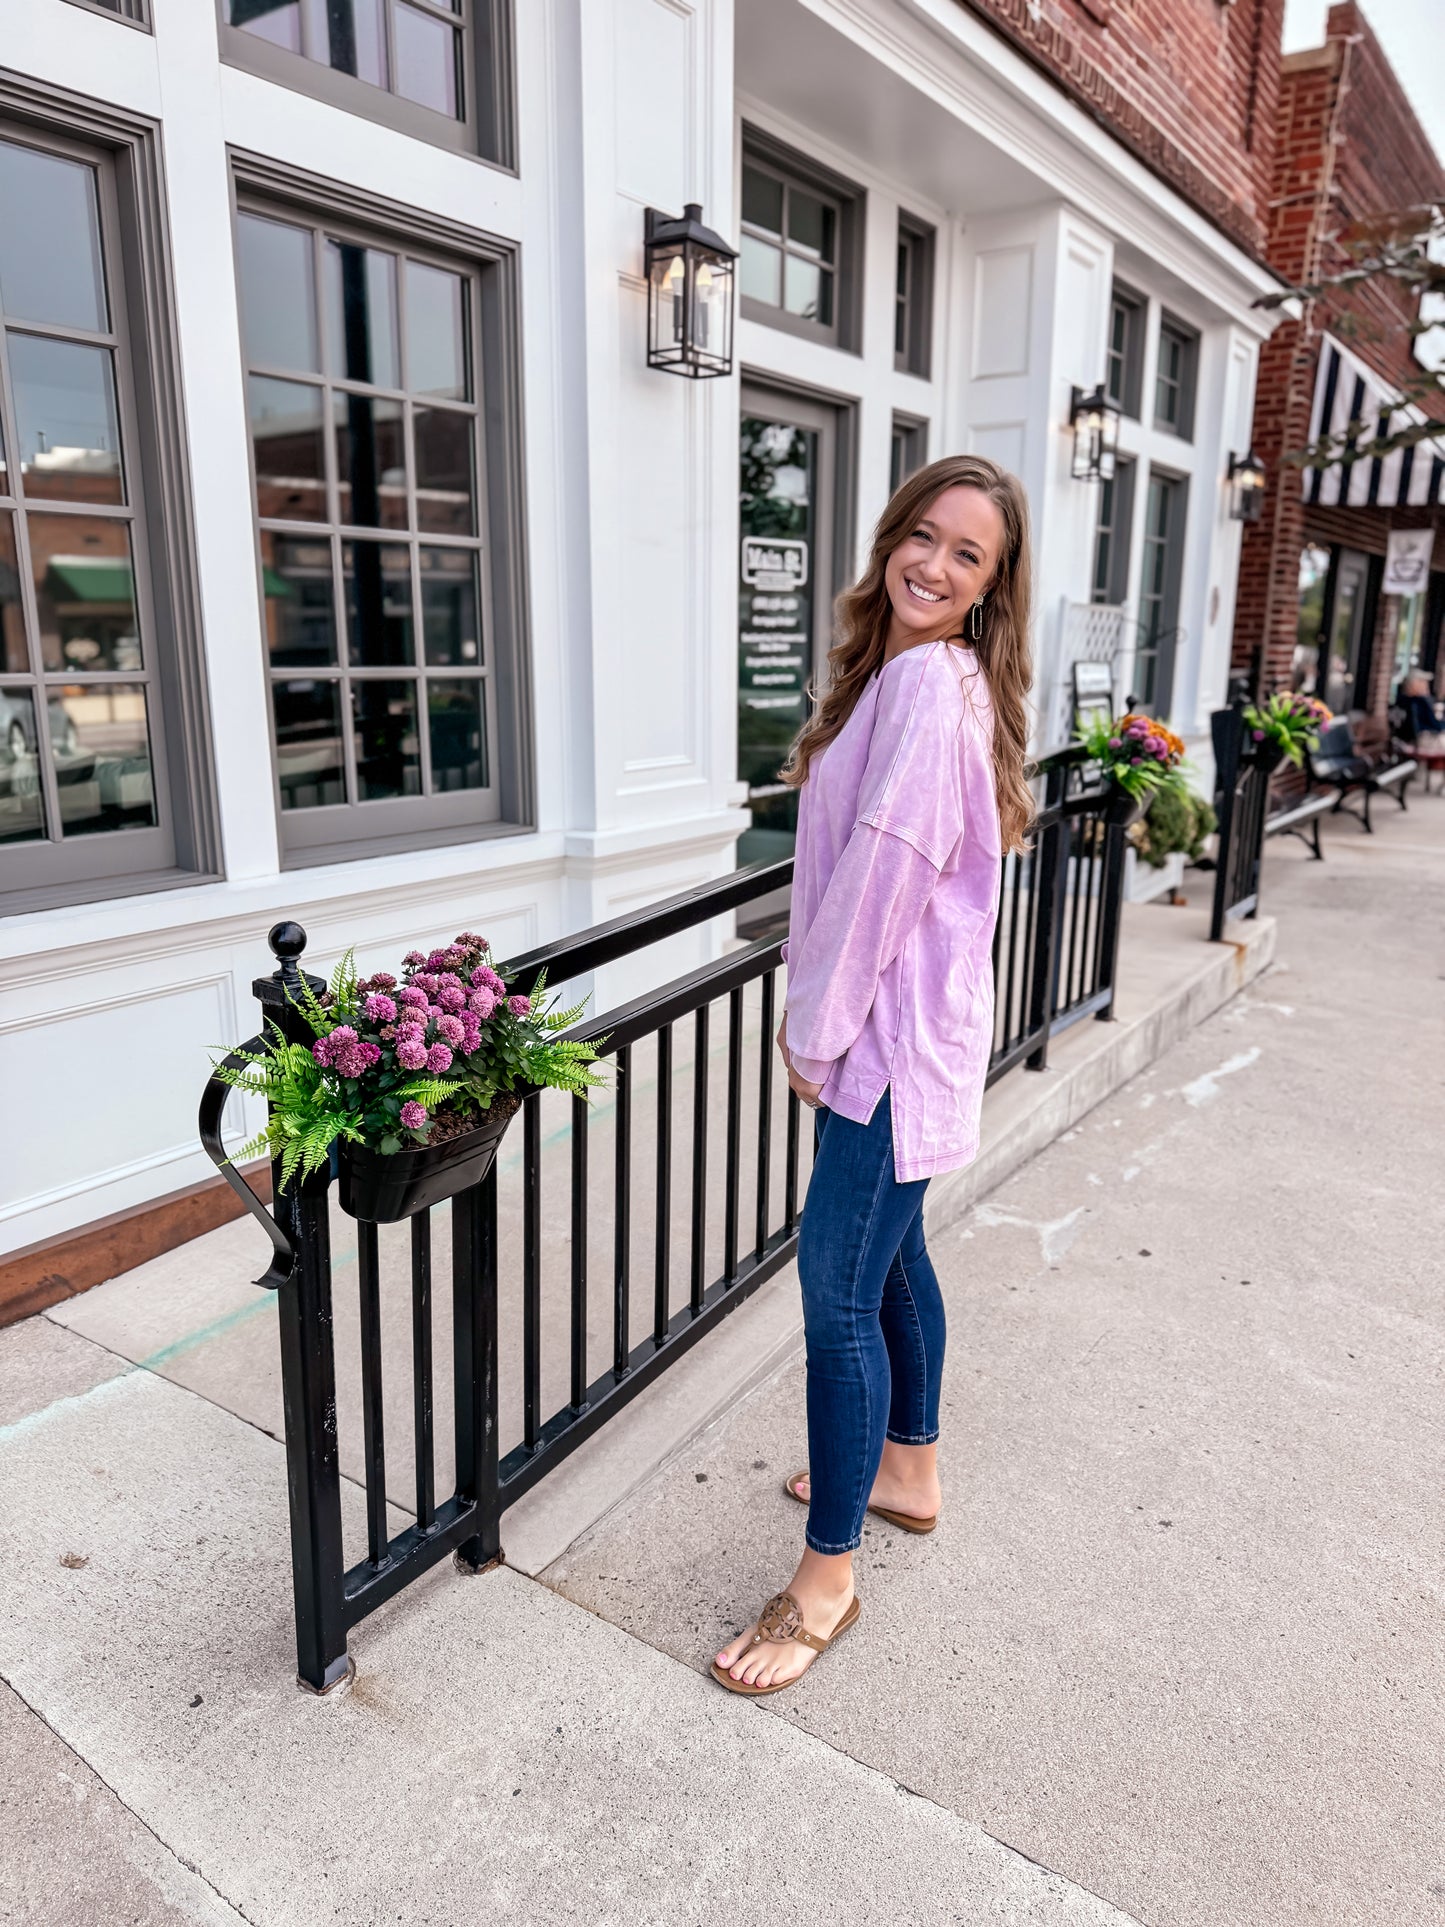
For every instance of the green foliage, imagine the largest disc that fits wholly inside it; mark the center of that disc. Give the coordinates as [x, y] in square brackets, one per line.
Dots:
[1177, 820]
[356, 1089]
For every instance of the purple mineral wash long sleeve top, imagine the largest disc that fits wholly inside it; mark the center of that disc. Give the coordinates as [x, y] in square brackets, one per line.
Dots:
[895, 896]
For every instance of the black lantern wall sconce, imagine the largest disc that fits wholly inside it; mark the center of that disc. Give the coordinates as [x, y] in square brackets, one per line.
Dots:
[1095, 422]
[1246, 487]
[689, 295]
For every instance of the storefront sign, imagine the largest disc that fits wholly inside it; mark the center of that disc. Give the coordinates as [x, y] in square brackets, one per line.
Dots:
[774, 564]
[1407, 561]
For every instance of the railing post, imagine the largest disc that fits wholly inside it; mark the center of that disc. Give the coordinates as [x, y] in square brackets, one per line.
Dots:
[1227, 727]
[1050, 855]
[308, 1374]
[474, 1345]
[1111, 910]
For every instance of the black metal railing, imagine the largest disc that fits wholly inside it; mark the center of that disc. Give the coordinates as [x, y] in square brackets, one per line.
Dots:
[716, 1220]
[1242, 772]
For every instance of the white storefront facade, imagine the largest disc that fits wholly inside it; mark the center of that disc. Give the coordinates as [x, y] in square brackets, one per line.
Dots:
[397, 594]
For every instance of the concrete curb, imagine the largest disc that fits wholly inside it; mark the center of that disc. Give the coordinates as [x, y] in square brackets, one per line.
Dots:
[1022, 1114]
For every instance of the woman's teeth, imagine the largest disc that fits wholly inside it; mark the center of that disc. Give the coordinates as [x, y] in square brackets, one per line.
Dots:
[924, 595]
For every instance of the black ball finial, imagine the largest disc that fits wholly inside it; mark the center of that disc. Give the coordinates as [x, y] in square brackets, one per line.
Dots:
[287, 941]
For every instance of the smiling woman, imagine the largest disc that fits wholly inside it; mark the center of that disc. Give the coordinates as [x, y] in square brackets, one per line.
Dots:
[910, 788]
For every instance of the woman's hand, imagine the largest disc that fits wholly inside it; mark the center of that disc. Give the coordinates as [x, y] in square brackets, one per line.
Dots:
[809, 1093]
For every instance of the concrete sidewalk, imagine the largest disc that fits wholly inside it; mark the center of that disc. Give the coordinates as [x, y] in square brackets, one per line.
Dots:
[1173, 1644]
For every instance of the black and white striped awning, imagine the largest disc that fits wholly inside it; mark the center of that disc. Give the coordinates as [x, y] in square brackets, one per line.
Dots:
[1348, 391]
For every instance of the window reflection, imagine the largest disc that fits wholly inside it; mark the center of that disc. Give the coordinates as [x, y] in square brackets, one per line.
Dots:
[100, 748]
[84, 593]
[310, 753]
[278, 300]
[13, 653]
[376, 580]
[50, 263]
[436, 332]
[458, 735]
[445, 492]
[289, 438]
[361, 333]
[350, 37]
[370, 462]
[388, 754]
[450, 628]
[66, 414]
[22, 818]
[300, 601]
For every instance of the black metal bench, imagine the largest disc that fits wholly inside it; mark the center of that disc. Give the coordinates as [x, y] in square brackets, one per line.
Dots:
[1337, 772]
[1337, 765]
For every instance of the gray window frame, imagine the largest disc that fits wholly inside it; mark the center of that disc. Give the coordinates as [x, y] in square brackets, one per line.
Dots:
[346, 831]
[908, 449]
[1188, 341]
[1153, 637]
[130, 13]
[184, 846]
[913, 304]
[1134, 309]
[487, 129]
[1109, 579]
[784, 163]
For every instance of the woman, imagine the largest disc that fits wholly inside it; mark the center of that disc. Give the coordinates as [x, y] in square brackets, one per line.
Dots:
[911, 788]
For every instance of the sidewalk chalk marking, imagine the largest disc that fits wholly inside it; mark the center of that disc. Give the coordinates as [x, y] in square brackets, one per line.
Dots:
[1203, 1090]
[1055, 1235]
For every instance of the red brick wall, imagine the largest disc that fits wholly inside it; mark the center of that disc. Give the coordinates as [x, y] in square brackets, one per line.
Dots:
[1347, 146]
[1189, 86]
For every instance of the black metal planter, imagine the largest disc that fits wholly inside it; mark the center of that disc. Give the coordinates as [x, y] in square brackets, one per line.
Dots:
[384, 1188]
[1124, 809]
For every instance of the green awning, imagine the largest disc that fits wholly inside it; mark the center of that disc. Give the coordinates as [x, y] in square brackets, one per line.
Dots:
[98, 578]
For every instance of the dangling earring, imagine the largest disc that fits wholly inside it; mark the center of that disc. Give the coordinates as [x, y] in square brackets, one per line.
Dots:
[975, 623]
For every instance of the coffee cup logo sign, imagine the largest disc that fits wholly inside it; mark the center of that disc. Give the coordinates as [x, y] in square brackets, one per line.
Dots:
[1407, 561]
[774, 564]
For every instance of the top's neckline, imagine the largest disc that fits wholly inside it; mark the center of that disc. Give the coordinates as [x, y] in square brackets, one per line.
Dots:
[946, 641]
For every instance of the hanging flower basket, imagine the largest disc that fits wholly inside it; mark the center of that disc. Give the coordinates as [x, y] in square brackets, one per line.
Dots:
[410, 1083]
[1123, 809]
[382, 1187]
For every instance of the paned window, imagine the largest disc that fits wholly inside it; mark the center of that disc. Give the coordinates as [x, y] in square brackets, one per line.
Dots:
[362, 382]
[1126, 350]
[909, 451]
[80, 708]
[133, 11]
[430, 67]
[913, 298]
[1111, 535]
[1174, 378]
[797, 269]
[1161, 565]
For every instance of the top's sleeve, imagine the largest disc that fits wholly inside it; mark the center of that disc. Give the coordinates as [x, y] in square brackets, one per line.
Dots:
[910, 818]
[875, 898]
[912, 785]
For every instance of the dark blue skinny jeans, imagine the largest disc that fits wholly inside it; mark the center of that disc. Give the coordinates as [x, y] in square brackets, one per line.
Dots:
[874, 1320]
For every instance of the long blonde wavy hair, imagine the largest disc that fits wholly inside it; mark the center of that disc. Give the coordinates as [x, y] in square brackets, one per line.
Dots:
[861, 617]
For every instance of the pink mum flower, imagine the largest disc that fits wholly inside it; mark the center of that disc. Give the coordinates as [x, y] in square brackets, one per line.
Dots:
[413, 957]
[482, 1003]
[451, 1030]
[379, 1008]
[356, 1059]
[438, 1059]
[485, 978]
[520, 1006]
[413, 1115]
[411, 1054]
[452, 997]
[409, 994]
[383, 980]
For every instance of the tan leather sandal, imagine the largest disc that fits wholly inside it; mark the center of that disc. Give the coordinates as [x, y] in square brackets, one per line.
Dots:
[780, 1619]
[906, 1520]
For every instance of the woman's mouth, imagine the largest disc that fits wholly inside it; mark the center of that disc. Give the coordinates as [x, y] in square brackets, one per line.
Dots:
[919, 593]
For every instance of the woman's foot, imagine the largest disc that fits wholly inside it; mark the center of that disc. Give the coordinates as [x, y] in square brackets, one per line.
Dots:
[823, 1588]
[907, 1481]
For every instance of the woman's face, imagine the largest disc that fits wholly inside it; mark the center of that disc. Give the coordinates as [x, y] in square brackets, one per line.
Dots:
[944, 564]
